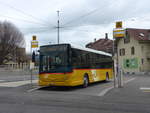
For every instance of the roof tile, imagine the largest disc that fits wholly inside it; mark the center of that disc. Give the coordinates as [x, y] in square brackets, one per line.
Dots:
[105, 45]
[139, 34]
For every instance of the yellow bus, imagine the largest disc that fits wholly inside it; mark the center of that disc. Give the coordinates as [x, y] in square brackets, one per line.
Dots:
[68, 65]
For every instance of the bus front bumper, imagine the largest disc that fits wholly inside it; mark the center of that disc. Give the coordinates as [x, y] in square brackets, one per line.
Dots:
[52, 83]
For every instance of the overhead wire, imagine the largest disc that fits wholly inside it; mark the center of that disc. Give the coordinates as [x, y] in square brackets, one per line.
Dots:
[20, 11]
[35, 31]
[85, 15]
[74, 26]
[76, 29]
[46, 27]
[37, 28]
[28, 21]
[43, 21]
[81, 17]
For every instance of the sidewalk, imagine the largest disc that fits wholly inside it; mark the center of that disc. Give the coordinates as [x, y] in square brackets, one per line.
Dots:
[19, 72]
[131, 98]
[18, 83]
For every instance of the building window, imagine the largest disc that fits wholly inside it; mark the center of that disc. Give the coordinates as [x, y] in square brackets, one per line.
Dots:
[132, 51]
[142, 61]
[122, 52]
[127, 63]
[127, 38]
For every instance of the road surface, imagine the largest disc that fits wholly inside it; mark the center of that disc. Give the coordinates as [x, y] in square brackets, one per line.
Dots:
[97, 98]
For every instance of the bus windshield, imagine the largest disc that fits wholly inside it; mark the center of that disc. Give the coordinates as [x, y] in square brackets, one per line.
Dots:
[54, 59]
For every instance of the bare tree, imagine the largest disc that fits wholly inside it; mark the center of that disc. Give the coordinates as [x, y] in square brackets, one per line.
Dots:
[10, 40]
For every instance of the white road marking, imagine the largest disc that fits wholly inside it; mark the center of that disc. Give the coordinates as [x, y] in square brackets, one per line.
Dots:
[17, 84]
[145, 89]
[103, 92]
[30, 90]
[129, 80]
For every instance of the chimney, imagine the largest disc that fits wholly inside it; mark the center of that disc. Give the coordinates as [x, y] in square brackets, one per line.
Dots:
[106, 35]
[94, 39]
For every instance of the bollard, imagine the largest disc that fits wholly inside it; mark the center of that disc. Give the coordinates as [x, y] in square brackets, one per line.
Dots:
[120, 78]
[31, 76]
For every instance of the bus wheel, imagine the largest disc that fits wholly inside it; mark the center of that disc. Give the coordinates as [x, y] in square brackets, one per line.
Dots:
[107, 76]
[85, 81]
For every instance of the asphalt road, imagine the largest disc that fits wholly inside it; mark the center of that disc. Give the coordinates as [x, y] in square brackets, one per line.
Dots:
[29, 99]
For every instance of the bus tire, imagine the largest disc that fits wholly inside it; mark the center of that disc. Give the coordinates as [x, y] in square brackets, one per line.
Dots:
[107, 76]
[85, 81]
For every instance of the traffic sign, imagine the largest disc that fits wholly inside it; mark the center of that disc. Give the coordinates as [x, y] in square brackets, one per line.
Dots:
[118, 33]
[33, 37]
[119, 24]
[34, 44]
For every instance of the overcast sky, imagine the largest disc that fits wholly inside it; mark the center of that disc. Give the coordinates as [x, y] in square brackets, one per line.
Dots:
[81, 20]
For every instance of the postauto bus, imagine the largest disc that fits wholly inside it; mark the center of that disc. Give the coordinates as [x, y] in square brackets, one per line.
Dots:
[67, 65]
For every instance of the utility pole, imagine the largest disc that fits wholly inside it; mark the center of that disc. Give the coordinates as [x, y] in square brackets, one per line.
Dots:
[58, 27]
[118, 33]
[115, 61]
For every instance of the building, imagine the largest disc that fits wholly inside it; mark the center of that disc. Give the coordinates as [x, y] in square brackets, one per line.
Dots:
[103, 44]
[134, 50]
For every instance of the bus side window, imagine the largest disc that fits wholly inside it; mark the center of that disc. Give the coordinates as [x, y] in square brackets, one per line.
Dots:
[50, 62]
[58, 60]
[74, 58]
[45, 63]
[41, 63]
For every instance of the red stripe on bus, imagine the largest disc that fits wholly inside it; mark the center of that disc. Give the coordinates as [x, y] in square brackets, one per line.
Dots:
[56, 73]
[92, 69]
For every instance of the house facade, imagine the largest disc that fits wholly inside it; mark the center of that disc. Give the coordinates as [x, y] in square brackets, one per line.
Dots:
[134, 51]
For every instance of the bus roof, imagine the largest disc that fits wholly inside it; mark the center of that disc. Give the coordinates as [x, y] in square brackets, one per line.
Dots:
[81, 48]
[91, 50]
